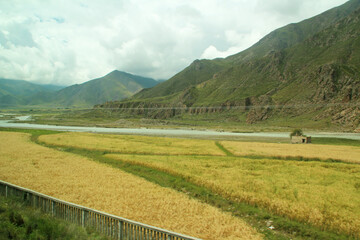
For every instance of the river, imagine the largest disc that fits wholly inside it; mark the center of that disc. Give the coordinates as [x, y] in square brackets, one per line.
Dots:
[169, 132]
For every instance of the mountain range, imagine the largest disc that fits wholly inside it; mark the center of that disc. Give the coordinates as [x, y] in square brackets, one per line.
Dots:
[116, 85]
[19, 92]
[306, 70]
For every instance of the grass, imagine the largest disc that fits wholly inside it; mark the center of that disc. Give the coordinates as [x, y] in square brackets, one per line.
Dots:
[222, 148]
[79, 180]
[336, 141]
[17, 221]
[227, 120]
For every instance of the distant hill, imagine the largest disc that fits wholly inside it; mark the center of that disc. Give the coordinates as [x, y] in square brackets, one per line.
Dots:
[19, 92]
[116, 85]
[307, 71]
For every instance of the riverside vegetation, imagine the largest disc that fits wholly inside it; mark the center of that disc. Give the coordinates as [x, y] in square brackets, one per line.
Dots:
[17, 221]
[303, 198]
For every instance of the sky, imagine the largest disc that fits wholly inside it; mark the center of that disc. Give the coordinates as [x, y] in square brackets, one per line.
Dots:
[65, 42]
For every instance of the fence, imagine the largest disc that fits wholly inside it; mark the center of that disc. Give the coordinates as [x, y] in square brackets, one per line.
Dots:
[107, 224]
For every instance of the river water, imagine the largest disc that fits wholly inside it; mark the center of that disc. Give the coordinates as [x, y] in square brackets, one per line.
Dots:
[169, 132]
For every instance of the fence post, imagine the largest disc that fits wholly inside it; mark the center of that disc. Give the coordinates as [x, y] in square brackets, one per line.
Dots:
[6, 191]
[83, 213]
[120, 230]
[53, 208]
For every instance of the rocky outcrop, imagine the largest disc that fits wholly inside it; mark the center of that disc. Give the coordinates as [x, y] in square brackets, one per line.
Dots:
[260, 108]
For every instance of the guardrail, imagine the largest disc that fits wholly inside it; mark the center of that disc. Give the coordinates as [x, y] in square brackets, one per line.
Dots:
[107, 224]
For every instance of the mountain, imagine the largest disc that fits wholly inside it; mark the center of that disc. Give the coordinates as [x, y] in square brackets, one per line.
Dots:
[20, 92]
[116, 85]
[202, 70]
[309, 70]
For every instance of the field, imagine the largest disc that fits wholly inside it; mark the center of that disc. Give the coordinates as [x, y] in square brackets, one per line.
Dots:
[134, 144]
[310, 151]
[79, 180]
[323, 193]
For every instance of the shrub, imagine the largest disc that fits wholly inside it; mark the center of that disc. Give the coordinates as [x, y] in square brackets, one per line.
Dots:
[296, 132]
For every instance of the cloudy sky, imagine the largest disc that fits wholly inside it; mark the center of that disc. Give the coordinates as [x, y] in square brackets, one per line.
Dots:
[72, 41]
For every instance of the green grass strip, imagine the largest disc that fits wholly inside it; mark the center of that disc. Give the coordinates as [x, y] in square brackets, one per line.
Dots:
[222, 148]
[336, 141]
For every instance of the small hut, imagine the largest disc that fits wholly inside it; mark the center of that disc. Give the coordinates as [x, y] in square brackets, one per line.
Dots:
[300, 139]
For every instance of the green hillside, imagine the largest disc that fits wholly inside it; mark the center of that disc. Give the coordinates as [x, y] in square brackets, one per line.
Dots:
[292, 34]
[196, 73]
[19, 92]
[304, 72]
[114, 86]
[202, 70]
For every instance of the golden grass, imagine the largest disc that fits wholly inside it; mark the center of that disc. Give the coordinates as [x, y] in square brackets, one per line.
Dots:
[324, 194]
[133, 144]
[321, 193]
[82, 181]
[344, 153]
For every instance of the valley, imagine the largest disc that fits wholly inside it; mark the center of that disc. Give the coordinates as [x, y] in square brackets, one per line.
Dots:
[259, 144]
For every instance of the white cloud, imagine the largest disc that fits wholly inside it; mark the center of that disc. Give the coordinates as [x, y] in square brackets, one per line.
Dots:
[67, 42]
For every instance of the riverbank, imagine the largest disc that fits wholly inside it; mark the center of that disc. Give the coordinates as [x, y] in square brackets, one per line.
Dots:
[281, 136]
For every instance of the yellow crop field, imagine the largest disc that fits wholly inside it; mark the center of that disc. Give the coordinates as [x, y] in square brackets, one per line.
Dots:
[344, 153]
[324, 194]
[133, 144]
[82, 181]
[176, 146]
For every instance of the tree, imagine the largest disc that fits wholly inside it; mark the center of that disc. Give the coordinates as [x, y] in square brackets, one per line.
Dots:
[296, 132]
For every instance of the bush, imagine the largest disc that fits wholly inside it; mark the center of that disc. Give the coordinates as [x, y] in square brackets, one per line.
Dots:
[18, 221]
[296, 132]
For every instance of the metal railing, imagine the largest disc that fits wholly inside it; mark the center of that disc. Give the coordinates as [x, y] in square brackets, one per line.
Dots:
[107, 224]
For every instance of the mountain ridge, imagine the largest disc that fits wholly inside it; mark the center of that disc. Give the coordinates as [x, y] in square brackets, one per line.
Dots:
[278, 39]
[320, 72]
[294, 33]
[116, 85]
[15, 92]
